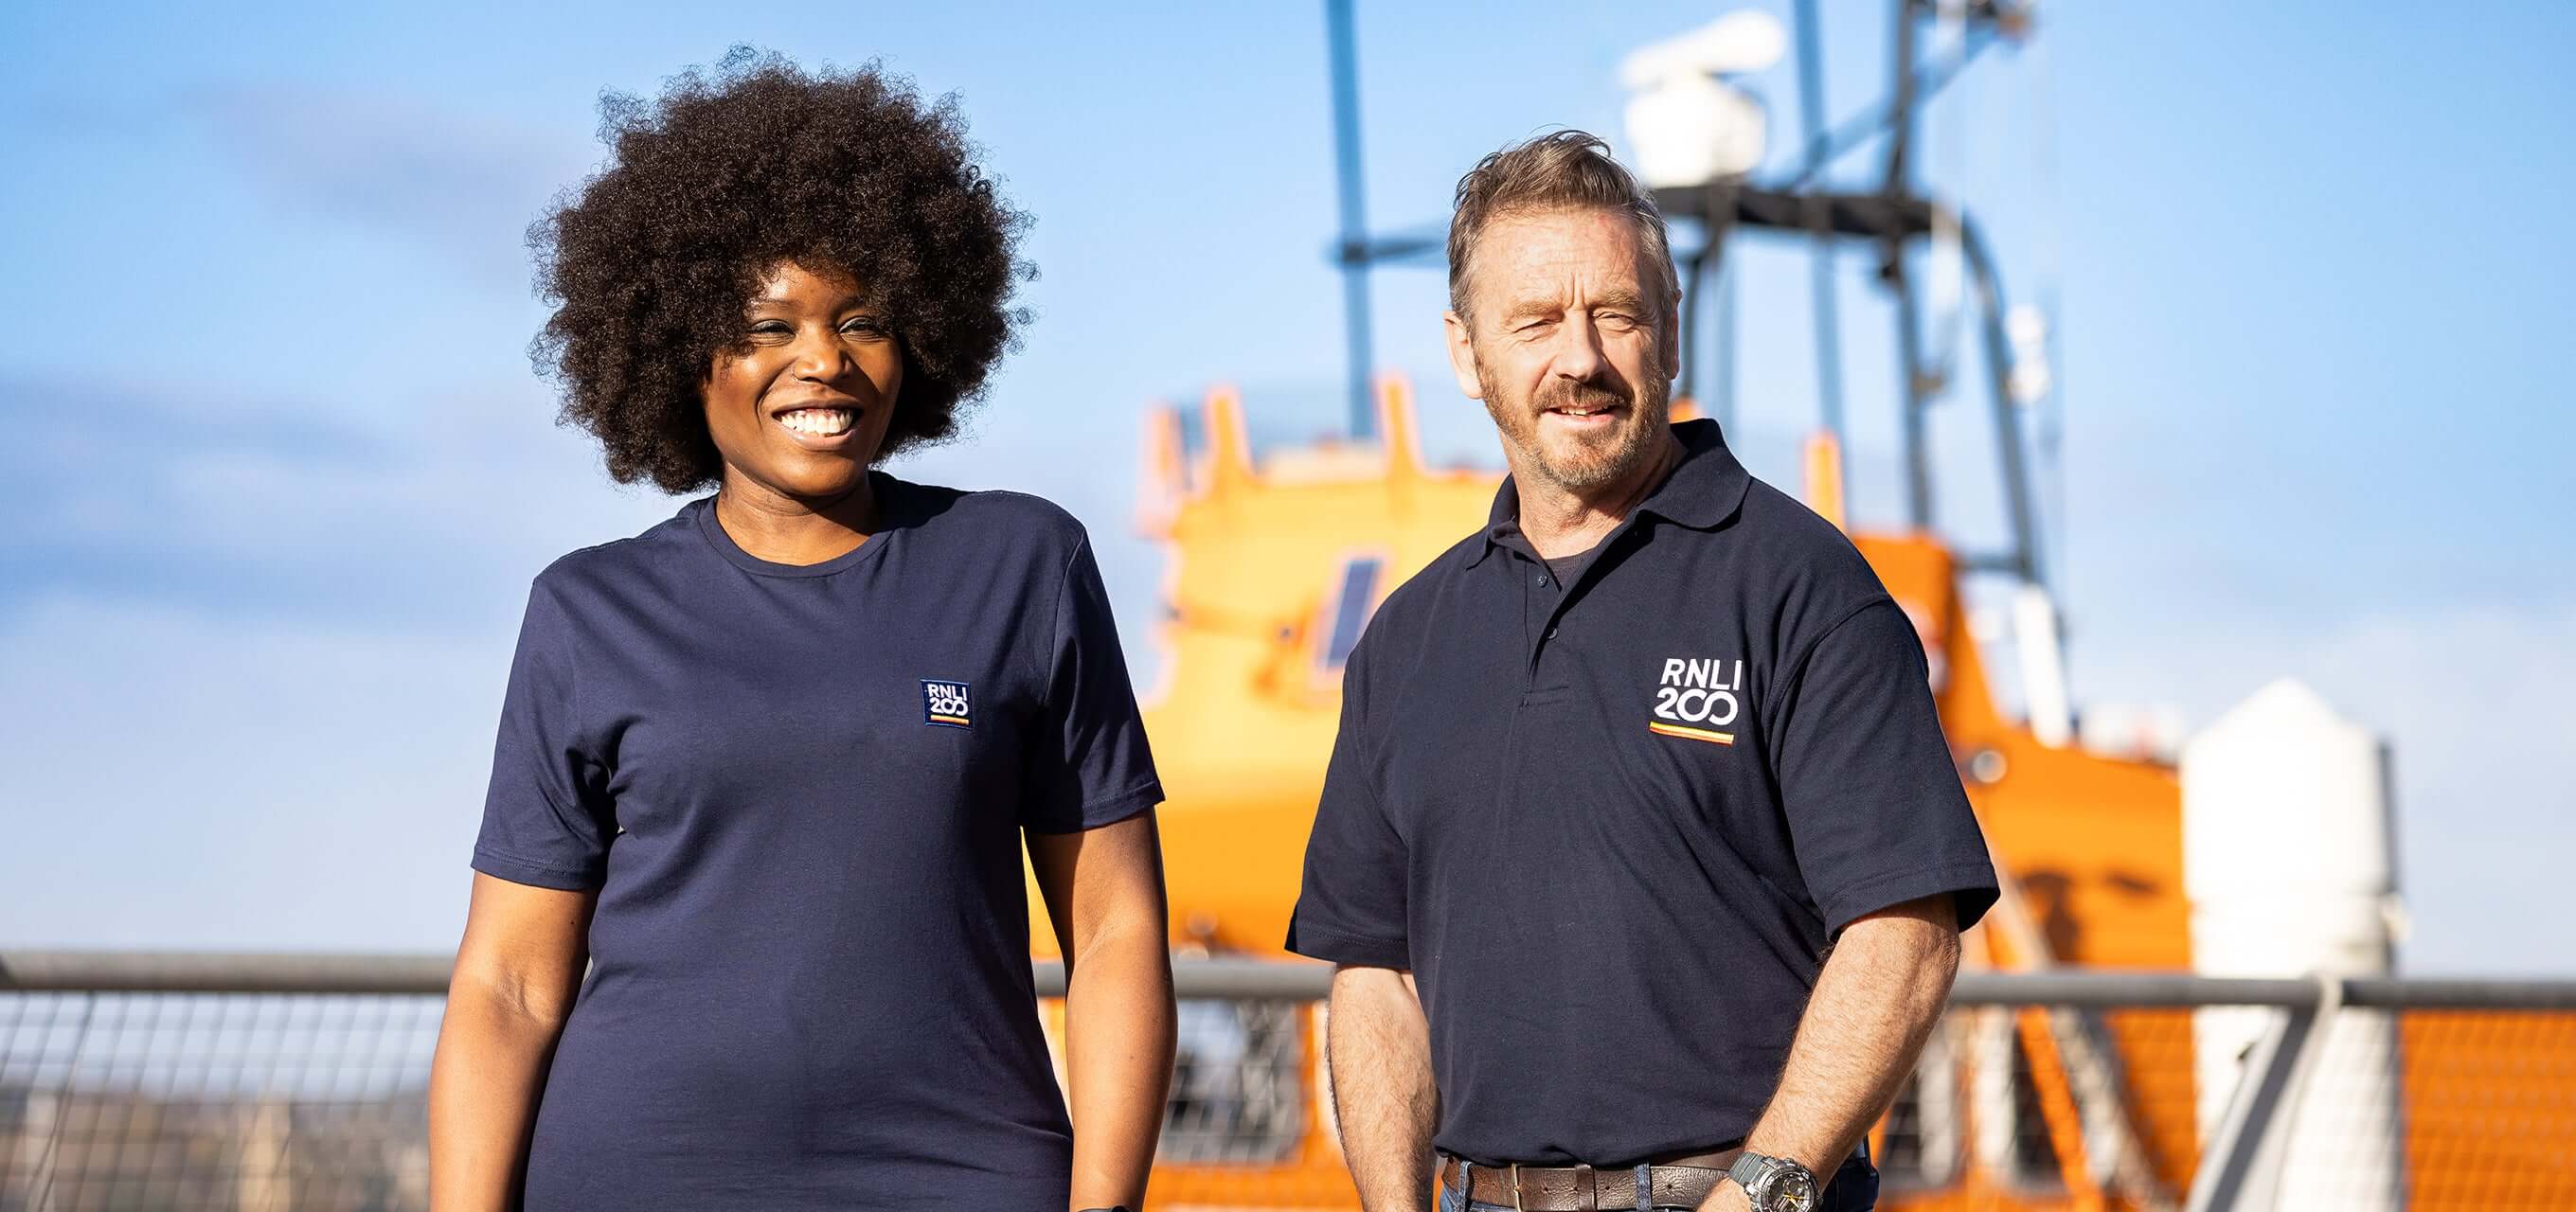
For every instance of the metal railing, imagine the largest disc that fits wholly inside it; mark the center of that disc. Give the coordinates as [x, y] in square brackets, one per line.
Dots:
[295, 1082]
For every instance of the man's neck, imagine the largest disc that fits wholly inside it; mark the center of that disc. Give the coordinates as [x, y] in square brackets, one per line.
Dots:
[1559, 522]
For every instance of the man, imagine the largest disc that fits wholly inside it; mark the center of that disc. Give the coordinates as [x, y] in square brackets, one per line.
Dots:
[1641, 855]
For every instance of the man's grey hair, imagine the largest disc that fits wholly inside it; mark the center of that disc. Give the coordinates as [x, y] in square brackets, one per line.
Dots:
[1562, 170]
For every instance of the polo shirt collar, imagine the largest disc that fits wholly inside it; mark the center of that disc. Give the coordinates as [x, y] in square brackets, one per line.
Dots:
[1701, 492]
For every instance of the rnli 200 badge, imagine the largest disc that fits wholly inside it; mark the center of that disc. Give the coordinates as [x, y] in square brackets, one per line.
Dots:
[946, 704]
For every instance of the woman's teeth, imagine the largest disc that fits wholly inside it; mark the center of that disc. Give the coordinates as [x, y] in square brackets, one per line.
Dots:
[820, 422]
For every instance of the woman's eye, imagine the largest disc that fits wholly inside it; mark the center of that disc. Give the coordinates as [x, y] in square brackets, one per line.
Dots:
[868, 326]
[769, 328]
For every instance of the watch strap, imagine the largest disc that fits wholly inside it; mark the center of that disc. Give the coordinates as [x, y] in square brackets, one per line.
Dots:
[1749, 1169]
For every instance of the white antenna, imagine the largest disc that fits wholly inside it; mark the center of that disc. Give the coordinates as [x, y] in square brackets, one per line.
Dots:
[1947, 289]
[2046, 270]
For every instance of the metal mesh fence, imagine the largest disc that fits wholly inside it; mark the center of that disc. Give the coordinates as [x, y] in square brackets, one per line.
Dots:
[214, 1101]
[313, 1102]
[1238, 1084]
[2027, 1106]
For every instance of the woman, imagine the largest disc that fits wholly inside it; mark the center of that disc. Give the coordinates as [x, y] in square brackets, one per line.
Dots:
[765, 768]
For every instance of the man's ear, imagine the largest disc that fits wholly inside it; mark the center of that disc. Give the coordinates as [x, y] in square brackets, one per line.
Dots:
[1462, 354]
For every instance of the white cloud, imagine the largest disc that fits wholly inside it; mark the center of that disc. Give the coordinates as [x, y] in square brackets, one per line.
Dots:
[427, 514]
[463, 184]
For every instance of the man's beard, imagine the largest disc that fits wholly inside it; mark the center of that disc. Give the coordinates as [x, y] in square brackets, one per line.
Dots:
[1582, 463]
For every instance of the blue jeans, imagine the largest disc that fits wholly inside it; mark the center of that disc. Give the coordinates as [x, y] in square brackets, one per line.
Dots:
[1854, 1189]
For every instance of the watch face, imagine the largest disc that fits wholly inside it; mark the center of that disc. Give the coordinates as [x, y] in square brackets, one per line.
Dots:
[1792, 1190]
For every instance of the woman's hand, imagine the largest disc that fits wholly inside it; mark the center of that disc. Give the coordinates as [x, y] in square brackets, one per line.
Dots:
[516, 973]
[1104, 892]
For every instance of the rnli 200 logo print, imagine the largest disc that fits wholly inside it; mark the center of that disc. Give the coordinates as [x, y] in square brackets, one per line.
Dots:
[945, 704]
[1698, 699]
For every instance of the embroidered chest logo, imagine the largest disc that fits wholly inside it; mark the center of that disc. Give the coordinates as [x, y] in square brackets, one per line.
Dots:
[946, 704]
[1698, 699]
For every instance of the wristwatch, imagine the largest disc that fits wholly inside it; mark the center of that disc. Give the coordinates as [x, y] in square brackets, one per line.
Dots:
[1774, 1184]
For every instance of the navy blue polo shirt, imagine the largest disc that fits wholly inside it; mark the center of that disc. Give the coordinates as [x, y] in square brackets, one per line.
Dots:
[1611, 826]
[800, 793]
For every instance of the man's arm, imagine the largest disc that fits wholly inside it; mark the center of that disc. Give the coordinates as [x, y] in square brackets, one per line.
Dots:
[1881, 990]
[1380, 1048]
[1104, 892]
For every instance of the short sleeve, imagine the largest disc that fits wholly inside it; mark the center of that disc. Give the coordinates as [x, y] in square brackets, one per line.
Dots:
[547, 817]
[1875, 809]
[1352, 905]
[1089, 764]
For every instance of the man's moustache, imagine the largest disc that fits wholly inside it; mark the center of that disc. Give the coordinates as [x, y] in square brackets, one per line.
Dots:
[1581, 396]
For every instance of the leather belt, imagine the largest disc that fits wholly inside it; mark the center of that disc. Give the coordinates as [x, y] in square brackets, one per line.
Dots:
[1682, 1182]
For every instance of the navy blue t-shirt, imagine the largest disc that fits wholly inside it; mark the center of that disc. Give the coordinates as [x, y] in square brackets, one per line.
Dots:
[800, 792]
[1612, 826]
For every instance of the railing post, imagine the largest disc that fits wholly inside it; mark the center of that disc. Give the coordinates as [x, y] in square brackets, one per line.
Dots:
[2248, 1134]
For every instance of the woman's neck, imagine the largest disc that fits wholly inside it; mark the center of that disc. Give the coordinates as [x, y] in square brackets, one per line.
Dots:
[771, 525]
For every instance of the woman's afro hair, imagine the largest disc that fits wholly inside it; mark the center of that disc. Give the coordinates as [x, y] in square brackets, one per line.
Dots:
[728, 174]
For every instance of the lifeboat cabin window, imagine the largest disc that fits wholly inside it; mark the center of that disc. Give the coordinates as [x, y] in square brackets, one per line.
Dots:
[1346, 611]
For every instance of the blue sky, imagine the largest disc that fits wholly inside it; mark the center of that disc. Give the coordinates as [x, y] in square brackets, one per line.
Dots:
[281, 471]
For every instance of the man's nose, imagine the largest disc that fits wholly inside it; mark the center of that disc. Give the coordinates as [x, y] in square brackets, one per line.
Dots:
[1579, 355]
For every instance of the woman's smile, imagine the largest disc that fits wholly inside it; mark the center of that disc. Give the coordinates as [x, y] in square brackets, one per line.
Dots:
[820, 427]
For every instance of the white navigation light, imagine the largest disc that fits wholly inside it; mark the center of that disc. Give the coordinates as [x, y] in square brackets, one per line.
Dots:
[1688, 126]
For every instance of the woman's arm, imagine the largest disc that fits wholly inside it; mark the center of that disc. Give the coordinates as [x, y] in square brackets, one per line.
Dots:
[1104, 891]
[516, 973]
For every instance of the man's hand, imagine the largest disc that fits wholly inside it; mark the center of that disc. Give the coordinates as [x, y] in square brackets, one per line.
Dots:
[1383, 1096]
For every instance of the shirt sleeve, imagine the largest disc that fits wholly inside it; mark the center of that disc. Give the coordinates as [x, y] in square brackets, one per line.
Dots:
[1090, 766]
[1352, 906]
[547, 817]
[1875, 809]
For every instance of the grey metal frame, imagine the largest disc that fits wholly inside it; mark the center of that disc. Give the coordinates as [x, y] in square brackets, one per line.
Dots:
[2274, 1073]
[1286, 980]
